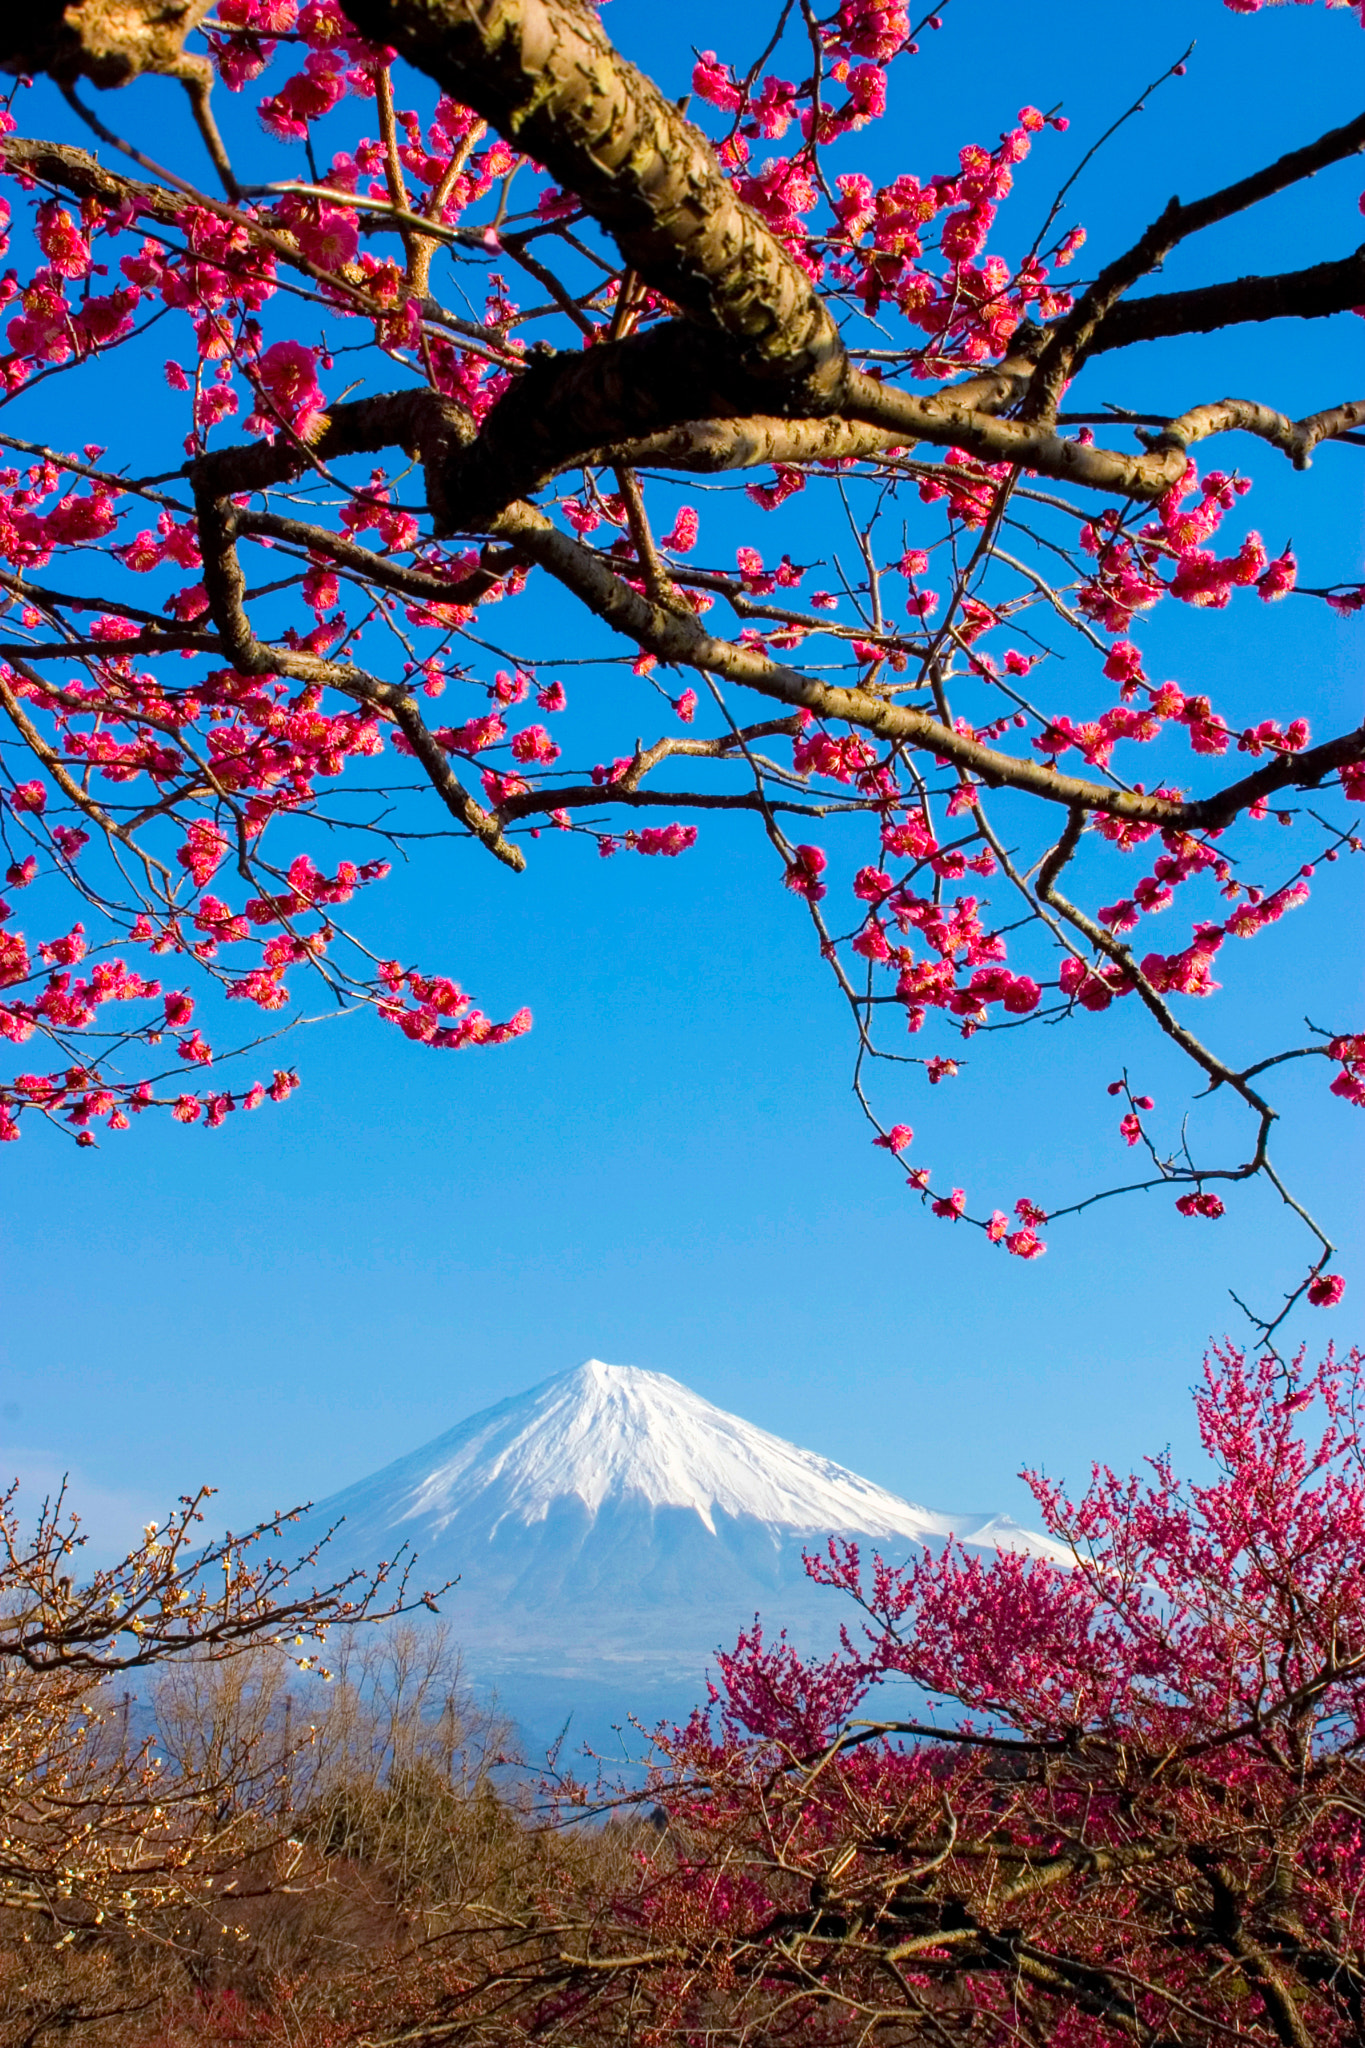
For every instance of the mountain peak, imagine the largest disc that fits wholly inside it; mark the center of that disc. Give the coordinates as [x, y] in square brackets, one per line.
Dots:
[606, 1435]
[610, 1527]
[601, 1374]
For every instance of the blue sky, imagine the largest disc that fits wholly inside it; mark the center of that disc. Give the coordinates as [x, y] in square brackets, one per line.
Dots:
[670, 1171]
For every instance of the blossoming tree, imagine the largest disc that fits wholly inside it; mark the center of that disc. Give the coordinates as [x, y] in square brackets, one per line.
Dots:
[97, 1831]
[1128, 1812]
[207, 663]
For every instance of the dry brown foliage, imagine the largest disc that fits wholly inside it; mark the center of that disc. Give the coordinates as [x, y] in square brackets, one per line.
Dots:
[371, 1834]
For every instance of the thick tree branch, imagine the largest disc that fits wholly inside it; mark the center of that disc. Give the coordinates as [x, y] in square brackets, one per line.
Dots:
[1073, 336]
[430, 427]
[646, 399]
[545, 75]
[1313, 294]
[710, 446]
[637, 401]
[107, 41]
[713, 445]
[1037, 447]
[563, 407]
[1295, 438]
[682, 640]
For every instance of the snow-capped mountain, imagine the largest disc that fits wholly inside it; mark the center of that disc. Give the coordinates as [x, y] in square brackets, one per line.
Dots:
[611, 1520]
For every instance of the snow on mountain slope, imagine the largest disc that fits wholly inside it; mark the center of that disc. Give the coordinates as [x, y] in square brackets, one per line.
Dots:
[613, 1514]
[610, 1431]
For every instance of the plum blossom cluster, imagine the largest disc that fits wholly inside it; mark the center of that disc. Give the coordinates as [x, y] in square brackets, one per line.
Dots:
[916, 244]
[946, 956]
[280, 603]
[1161, 1539]
[1079, 1818]
[265, 751]
[1128, 579]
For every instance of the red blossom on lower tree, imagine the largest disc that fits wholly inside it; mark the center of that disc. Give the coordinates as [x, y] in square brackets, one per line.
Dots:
[1092, 1789]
